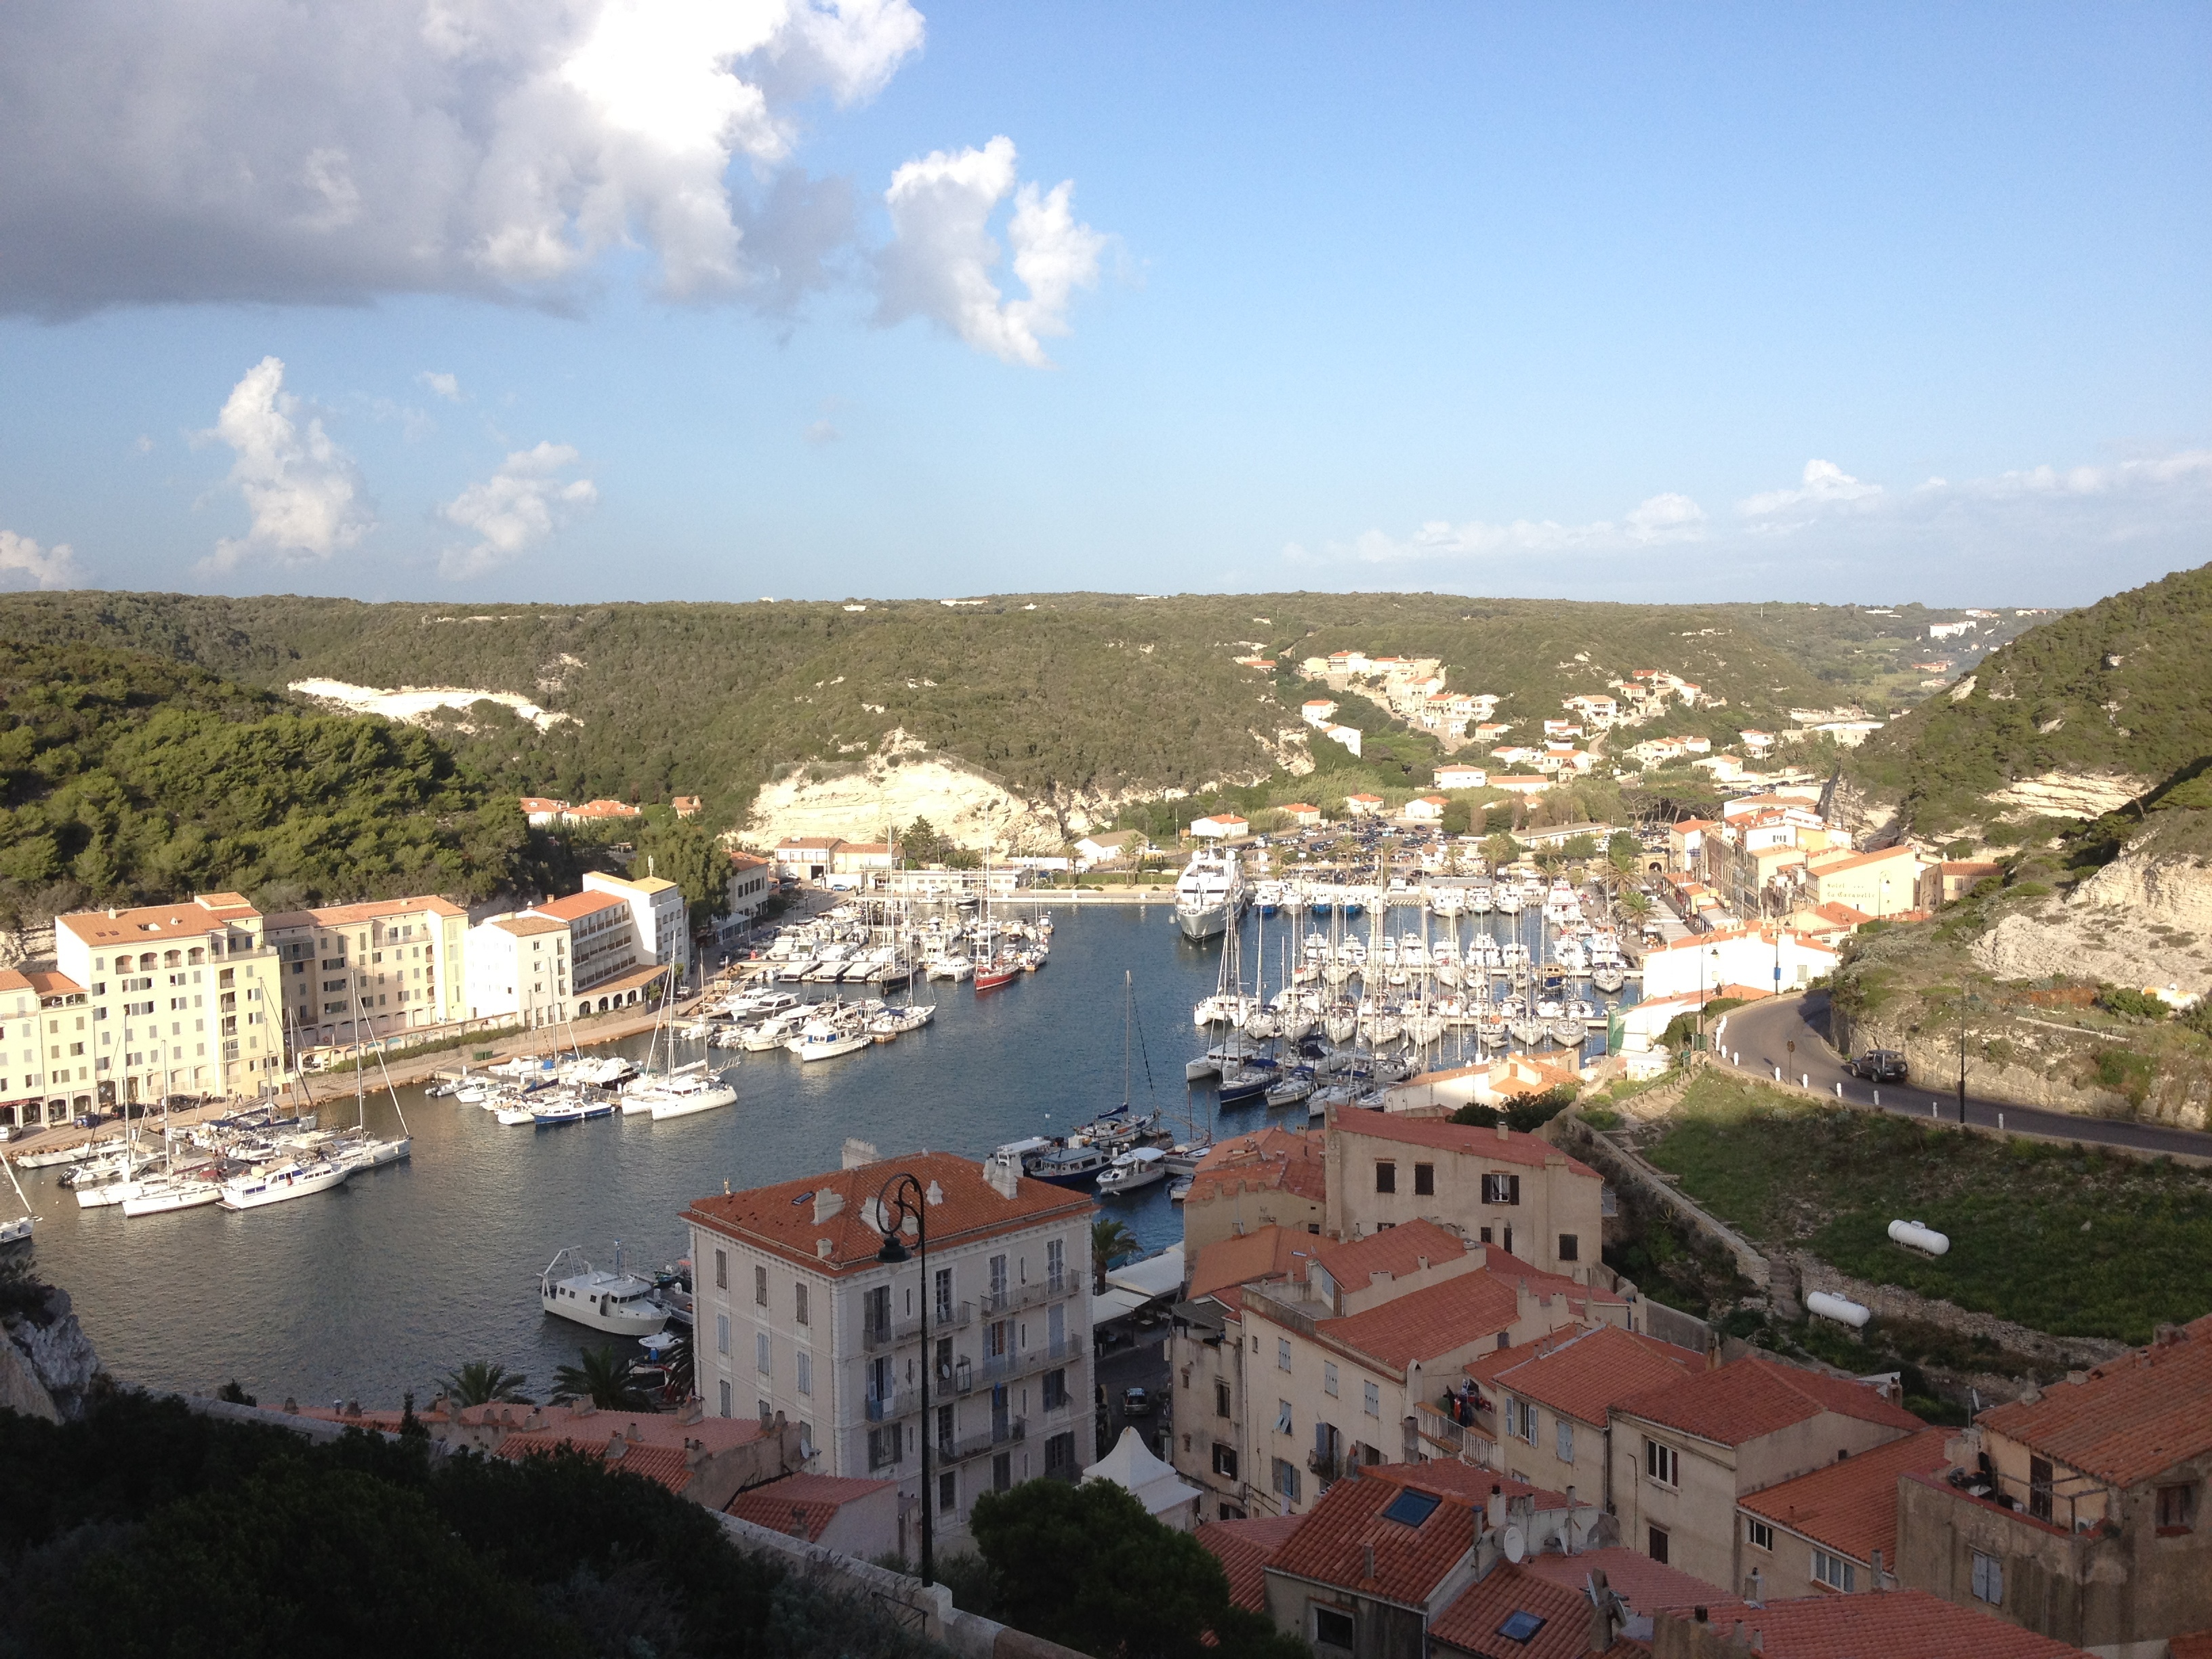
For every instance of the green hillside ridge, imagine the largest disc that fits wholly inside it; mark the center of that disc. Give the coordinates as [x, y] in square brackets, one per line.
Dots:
[1056, 695]
[2120, 688]
[125, 778]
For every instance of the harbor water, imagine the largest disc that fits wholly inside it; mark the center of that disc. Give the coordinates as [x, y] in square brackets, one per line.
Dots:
[394, 1279]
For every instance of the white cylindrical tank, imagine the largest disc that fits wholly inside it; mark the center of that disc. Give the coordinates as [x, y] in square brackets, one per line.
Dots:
[1914, 1236]
[1842, 1309]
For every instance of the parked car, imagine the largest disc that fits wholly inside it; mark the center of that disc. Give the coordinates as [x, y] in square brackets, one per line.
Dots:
[1879, 1066]
[1135, 1402]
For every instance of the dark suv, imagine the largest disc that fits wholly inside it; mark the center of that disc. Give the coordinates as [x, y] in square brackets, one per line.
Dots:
[1879, 1066]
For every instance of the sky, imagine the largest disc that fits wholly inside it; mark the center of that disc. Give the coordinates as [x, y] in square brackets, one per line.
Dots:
[589, 299]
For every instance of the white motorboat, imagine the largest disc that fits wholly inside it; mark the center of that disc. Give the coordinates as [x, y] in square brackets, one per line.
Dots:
[59, 1155]
[175, 1192]
[1138, 1167]
[1181, 1189]
[830, 1046]
[618, 1303]
[279, 1183]
[514, 1112]
[686, 1094]
[1209, 894]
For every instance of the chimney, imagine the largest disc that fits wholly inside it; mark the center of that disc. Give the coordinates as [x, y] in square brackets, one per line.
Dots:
[1755, 1588]
[824, 1248]
[828, 1202]
[1876, 1561]
[695, 1409]
[1503, 1133]
[616, 1447]
[857, 1153]
[695, 1453]
[1004, 1173]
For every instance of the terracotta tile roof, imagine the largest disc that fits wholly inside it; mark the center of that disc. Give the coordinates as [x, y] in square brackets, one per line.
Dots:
[1850, 1507]
[1447, 1477]
[1502, 1263]
[595, 1427]
[1425, 1323]
[1330, 1546]
[1511, 1147]
[1269, 1160]
[1471, 1623]
[781, 1219]
[1244, 1548]
[348, 915]
[1396, 1251]
[665, 1464]
[811, 1500]
[1904, 1624]
[1584, 1373]
[144, 925]
[524, 927]
[1631, 1575]
[1266, 1253]
[577, 906]
[1755, 1397]
[2132, 1418]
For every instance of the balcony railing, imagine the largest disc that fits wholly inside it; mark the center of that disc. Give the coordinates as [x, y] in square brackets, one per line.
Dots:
[959, 1376]
[1328, 1465]
[1004, 1366]
[1013, 1298]
[1010, 1433]
[875, 1335]
[882, 1408]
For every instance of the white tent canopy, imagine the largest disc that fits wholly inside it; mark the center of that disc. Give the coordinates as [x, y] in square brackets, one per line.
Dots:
[1132, 1467]
[1154, 1276]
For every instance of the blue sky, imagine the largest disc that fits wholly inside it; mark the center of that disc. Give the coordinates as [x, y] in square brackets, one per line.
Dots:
[1872, 303]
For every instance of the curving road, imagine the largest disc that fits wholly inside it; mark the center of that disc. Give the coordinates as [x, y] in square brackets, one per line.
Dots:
[1762, 1033]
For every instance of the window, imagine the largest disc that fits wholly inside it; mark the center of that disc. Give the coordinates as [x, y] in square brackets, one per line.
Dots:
[1988, 1579]
[761, 1353]
[760, 1287]
[726, 1396]
[1332, 1627]
[1056, 1263]
[1663, 1464]
[806, 1372]
[722, 1334]
[1386, 1177]
[1286, 1480]
[1758, 1534]
[1521, 1420]
[2177, 1510]
[2039, 1487]
[944, 1293]
[1565, 1437]
[1372, 1398]
[1834, 1571]
[883, 1446]
[1501, 1190]
[1055, 1390]
[1282, 1417]
[1569, 1248]
[1224, 1461]
[1658, 1548]
[948, 1492]
[1329, 1377]
[1221, 1399]
[1282, 1353]
[999, 1279]
[1424, 1180]
[798, 1304]
[1002, 1472]
[1060, 1457]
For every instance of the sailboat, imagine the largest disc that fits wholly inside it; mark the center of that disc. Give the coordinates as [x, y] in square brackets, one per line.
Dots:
[677, 1091]
[994, 965]
[360, 1150]
[17, 1229]
[170, 1190]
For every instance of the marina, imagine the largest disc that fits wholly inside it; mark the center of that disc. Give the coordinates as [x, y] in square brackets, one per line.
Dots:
[396, 1274]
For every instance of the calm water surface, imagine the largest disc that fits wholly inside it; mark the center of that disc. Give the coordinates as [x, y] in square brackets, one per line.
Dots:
[403, 1273]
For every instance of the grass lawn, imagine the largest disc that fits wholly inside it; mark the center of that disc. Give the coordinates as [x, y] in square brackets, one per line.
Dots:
[2071, 1241]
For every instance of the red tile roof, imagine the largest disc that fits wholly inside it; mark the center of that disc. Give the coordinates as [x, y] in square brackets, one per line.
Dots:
[146, 925]
[1905, 1623]
[2133, 1416]
[1471, 1623]
[811, 1500]
[1511, 1147]
[1584, 1373]
[1244, 1548]
[577, 906]
[1396, 1251]
[967, 1208]
[1422, 1324]
[1631, 1575]
[666, 1465]
[1269, 1160]
[1449, 1477]
[1266, 1253]
[1330, 1546]
[1756, 1396]
[1850, 1507]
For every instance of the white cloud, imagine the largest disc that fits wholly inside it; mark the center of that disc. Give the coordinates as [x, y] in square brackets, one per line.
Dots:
[1667, 518]
[303, 492]
[514, 509]
[23, 563]
[266, 150]
[447, 386]
[942, 251]
[822, 432]
[1825, 486]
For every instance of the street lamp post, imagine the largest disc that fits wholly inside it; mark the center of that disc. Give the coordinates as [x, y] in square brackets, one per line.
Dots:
[893, 1207]
[1962, 1054]
[1716, 955]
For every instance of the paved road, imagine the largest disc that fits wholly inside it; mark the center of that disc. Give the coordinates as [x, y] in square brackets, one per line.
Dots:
[1146, 1366]
[1762, 1032]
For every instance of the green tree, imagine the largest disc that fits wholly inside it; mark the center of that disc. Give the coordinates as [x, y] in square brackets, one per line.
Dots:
[485, 1383]
[602, 1377]
[685, 851]
[1580, 850]
[1624, 852]
[1111, 1240]
[921, 846]
[1501, 849]
[1086, 1567]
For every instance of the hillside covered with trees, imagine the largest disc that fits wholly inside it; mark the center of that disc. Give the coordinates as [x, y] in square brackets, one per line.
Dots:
[127, 778]
[1054, 694]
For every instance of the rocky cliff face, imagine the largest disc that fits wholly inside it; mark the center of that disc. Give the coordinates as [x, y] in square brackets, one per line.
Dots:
[2143, 920]
[47, 1364]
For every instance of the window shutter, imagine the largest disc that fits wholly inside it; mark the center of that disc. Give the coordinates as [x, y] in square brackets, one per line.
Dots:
[1513, 1189]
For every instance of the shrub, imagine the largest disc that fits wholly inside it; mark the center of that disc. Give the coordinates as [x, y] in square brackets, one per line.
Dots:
[2134, 1004]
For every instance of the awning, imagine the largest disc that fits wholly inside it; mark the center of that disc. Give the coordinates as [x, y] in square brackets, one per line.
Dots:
[1116, 1305]
[1154, 1276]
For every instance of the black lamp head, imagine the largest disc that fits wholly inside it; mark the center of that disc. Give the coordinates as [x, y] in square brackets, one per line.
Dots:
[892, 1250]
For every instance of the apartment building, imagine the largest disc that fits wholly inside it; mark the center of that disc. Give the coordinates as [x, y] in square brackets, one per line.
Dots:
[657, 913]
[368, 971]
[1835, 1528]
[603, 942]
[163, 999]
[518, 969]
[1546, 1406]
[2079, 1510]
[752, 881]
[1494, 1185]
[1269, 1178]
[797, 1313]
[1685, 1454]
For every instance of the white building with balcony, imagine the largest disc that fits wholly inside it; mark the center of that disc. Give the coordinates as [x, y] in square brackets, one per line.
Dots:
[797, 1314]
[657, 912]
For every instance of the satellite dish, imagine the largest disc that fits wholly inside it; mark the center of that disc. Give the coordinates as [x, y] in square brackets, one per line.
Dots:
[1516, 1544]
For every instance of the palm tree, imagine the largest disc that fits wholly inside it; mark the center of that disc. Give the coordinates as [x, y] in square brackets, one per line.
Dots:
[681, 1375]
[1110, 1240]
[602, 1377]
[485, 1383]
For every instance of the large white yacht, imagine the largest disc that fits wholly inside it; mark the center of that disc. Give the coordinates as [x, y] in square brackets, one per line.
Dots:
[1210, 896]
[618, 1303]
